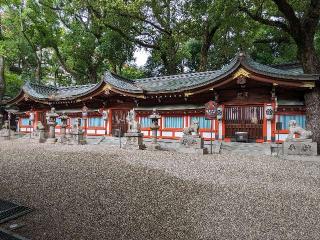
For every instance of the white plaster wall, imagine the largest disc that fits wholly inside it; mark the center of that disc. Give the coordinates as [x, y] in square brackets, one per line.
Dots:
[90, 131]
[166, 134]
[178, 134]
[208, 135]
[100, 131]
[145, 133]
[281, 137]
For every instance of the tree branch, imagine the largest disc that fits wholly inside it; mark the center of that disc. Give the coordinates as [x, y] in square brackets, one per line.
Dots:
[286, 9]
[259, 18]
[311, 18]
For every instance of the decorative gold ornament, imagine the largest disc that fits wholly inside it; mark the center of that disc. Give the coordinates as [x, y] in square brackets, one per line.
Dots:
[241, 73]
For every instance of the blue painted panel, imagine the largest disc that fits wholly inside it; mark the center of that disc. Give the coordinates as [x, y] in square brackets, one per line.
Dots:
[145, 122]
[203, 123]
[95, 122]
[301, 120]
[173, 122]
[58, 121]
[24, 121]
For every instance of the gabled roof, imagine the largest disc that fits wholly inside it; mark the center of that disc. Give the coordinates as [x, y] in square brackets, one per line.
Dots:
[168, 84]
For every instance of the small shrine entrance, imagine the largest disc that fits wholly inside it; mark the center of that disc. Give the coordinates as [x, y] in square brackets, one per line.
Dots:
[119, 122]
[244, 119]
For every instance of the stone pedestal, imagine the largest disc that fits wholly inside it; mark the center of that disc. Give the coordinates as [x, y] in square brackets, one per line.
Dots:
[78, 137]
[192, 144]
[134, 141]
[302, 147]
[6, 133]
[42, 135]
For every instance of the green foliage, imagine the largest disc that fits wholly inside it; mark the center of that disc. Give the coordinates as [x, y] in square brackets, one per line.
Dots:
[14, 84]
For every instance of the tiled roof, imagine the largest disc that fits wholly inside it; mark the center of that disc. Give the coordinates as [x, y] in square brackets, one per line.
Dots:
[121, 83]
[293, 74]
[182, 82]
[43, 92]
[164, 84]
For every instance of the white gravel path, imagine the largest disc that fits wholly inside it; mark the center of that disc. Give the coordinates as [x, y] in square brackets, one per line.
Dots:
[101, 192]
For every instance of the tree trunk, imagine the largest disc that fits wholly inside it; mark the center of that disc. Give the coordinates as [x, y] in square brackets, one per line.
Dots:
[38, 73]
[2, 78]
[311, 64]
[312, 102]
[203, 66]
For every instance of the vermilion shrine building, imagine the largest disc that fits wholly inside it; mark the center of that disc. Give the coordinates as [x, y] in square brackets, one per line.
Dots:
[253, 98]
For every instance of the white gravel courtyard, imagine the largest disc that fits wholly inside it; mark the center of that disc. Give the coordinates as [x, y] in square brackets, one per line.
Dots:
[103, 192]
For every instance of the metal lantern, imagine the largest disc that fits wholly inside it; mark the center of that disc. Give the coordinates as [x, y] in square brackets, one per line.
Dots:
[269, 112]
[219, 113]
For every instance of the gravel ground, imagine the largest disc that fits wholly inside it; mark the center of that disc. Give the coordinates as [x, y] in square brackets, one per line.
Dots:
[101, 192]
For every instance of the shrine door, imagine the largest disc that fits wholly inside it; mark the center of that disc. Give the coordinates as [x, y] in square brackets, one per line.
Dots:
[244, 119]
[119, 122]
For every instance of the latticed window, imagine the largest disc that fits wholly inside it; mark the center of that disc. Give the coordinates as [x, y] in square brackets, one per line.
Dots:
[203, 123]
[300, 119]
[173, 122]
[24, 121]
[95, 122]
[145, 122]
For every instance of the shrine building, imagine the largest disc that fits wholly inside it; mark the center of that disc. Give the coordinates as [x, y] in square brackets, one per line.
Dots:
[251, 97]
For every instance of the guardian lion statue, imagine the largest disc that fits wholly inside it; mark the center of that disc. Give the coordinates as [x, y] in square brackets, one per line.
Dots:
[193, 128]
[294, 128]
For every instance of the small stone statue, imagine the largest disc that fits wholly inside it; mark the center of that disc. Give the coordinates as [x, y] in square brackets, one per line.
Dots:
[192, 143]
[294, 128]
[193, 128]
[133, 125]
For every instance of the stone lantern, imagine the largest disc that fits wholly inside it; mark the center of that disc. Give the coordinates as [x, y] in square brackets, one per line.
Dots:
[1, 119]
[64, 123]
[51, 120]
[154, 127]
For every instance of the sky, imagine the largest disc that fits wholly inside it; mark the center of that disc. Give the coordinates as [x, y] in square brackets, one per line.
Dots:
[141, 57]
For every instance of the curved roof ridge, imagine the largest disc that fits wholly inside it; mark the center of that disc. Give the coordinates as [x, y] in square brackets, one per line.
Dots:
[121, 83]
[276, 72]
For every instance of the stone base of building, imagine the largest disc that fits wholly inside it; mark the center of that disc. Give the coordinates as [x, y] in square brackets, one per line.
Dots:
[306, 147]
[134, 141]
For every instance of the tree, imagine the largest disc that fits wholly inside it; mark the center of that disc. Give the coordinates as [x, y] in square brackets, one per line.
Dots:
[300, 20]
[2, 77]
